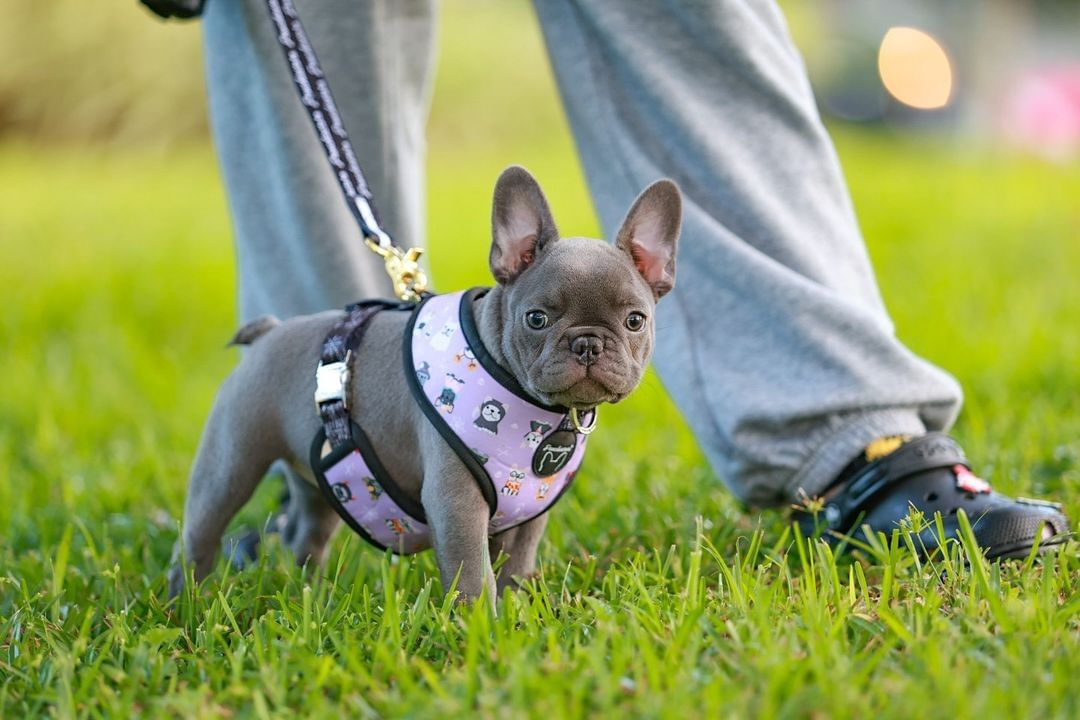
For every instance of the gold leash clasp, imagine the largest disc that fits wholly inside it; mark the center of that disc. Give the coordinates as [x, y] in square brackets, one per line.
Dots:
[403, 267]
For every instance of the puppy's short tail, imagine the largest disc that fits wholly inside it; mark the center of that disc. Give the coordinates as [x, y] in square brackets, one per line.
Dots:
[254, 330]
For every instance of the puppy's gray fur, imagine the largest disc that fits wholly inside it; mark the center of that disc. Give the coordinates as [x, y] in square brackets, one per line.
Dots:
[263, 411]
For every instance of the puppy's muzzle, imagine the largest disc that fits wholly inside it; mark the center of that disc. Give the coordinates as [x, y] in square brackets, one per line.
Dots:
[587, 348]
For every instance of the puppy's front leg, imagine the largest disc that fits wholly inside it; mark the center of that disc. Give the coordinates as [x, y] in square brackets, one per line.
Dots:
[458, 518]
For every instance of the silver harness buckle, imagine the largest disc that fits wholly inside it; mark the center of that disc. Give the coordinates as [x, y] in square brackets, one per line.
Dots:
[332, 381]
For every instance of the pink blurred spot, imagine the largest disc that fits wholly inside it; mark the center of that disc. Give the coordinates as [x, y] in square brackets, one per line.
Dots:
[1042, 113]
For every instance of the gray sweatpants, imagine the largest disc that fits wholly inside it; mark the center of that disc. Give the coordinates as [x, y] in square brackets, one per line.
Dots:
[775, 344]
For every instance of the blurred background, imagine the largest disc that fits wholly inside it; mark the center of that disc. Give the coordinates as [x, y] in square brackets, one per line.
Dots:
[957, 123]
[995, 70]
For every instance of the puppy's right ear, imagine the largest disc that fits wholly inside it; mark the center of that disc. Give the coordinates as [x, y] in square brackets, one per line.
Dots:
[521, 224]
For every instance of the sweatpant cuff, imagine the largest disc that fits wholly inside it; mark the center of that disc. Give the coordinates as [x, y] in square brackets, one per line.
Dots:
[841, 447]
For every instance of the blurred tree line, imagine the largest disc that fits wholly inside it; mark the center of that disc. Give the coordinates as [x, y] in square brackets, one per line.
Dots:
[79, 71]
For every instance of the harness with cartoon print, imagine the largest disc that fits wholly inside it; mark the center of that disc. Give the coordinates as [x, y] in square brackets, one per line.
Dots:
[523, 455]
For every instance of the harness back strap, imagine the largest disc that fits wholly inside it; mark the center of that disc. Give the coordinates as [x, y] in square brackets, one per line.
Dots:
[332, 375]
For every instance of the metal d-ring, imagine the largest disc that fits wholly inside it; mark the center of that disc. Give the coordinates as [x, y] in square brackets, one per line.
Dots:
[577, 422]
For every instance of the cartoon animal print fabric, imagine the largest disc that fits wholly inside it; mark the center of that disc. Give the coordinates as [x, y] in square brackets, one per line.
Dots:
[423, 373]
[513, 485]
[466, 356]
[442, 339]
[489, 415]
[537, 431]
[446, 398]
[365, 504]
[400, 526]
[373, 487]
[342, 492]
[502, 430]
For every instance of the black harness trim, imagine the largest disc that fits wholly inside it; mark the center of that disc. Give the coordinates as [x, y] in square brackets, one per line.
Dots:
[472, 336]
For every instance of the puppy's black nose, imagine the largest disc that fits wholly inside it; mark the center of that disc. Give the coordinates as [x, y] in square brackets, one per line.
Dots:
[588, 348]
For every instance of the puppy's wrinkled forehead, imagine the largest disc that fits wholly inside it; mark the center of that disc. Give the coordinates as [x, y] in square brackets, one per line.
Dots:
[583, 273]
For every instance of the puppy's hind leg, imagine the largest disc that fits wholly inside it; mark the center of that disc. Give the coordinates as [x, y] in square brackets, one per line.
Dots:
[310, 520]
[234, 454]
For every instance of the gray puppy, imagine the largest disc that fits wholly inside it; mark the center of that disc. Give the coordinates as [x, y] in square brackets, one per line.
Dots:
[596, 301]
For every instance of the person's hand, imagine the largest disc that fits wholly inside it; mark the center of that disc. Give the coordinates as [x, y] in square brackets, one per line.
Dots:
[183, 9]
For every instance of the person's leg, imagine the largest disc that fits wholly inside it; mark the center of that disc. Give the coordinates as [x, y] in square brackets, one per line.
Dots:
[298, 248]
[775, 343]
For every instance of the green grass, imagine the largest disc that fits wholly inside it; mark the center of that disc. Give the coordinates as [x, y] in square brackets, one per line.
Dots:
[659, 596]
[119, 287]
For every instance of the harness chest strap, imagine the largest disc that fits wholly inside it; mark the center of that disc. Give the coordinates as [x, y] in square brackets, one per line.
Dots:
[524, 455]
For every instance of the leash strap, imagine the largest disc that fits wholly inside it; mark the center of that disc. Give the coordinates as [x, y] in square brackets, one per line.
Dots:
[410, 281]
[315, 96]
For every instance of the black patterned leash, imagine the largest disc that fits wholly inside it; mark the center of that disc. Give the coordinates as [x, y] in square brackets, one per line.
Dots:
[410, 283]
[314, 92]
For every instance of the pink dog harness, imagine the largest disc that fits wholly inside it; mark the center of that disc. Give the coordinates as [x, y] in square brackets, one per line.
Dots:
[523, 455]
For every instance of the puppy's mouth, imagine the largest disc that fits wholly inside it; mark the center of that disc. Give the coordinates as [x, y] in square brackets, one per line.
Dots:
[584, 393]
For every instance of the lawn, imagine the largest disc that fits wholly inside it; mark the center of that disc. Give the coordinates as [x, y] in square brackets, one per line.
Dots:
[660, 596]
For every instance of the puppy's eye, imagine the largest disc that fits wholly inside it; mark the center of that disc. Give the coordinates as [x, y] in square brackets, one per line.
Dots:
[635, 322]
[536, 319]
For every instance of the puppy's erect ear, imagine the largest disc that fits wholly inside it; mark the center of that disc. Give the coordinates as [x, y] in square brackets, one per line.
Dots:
[650, 234]
[521, 224]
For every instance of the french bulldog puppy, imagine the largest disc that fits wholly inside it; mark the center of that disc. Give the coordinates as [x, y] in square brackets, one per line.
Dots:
[597, 302]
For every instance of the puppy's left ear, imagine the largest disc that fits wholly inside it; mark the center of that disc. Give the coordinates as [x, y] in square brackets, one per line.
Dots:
[650, 234]
[521, 224]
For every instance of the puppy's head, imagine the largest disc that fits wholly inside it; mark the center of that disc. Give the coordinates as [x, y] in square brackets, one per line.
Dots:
[578, 314]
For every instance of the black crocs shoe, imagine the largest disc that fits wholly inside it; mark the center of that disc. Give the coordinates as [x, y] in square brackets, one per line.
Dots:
[931, 474]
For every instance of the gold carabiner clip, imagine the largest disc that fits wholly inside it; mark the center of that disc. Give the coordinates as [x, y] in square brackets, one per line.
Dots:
[410, 281]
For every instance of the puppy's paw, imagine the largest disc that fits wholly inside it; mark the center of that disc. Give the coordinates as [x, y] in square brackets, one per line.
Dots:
[177, 580]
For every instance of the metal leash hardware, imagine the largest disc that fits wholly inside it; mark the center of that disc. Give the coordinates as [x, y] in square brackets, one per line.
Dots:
[403, 267]
[583, 429]
[410, 281]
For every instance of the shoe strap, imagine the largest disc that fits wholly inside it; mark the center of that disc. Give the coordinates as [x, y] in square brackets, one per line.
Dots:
[932, 451]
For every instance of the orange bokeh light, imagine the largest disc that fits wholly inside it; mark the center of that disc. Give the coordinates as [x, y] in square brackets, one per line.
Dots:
[915, 68]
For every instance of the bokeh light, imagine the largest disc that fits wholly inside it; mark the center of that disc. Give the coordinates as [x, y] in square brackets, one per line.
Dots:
[915, 69]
